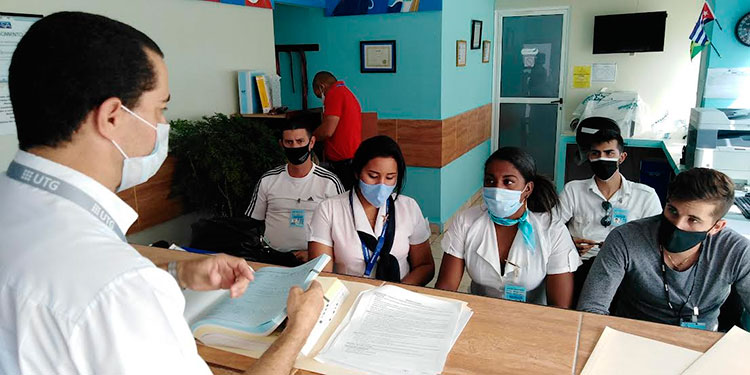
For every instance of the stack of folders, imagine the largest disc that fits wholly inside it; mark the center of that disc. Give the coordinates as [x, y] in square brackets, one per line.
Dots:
[622, 353]
[362, 329]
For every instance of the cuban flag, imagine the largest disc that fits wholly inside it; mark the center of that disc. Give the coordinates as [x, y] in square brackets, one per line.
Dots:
[699, 38]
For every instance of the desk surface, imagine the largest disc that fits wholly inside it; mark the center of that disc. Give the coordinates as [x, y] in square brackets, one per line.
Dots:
[502, 337]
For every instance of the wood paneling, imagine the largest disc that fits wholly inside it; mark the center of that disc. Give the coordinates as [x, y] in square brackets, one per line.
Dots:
[435, 143]
[389, 128]
[369, 125]
[421, 142]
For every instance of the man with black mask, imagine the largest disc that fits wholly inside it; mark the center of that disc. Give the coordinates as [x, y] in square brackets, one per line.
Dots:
[286, 196]
[592, 208]
[678, 267]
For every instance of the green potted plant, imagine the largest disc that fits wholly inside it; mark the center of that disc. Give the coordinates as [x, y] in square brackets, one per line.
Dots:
[219, 161]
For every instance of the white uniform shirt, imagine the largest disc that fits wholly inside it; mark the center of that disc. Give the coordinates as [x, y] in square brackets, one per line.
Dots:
[333, 225]
[472, 237]
[581, 208]
[287, 204]
[76, 299]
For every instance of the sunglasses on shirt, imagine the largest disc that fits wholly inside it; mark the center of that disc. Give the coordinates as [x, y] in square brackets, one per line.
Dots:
[607, 219]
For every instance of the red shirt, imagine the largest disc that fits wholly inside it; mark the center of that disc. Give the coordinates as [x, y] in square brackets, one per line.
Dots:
[340, 102]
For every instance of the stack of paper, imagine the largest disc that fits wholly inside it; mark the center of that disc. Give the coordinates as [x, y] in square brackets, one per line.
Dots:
[391, 330]
[727, 356]
[621, 353]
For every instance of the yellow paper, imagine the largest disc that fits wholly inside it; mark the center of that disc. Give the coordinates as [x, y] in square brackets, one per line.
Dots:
[582, 76]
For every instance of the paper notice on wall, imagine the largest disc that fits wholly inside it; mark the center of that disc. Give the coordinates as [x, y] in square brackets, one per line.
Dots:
[582, 77]
[7, 120]
[727, 83]
[604, 72]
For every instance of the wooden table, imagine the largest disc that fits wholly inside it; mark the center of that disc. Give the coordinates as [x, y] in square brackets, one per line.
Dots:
[502, 337]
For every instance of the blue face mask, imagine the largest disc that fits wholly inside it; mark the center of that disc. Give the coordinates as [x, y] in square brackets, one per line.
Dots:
[376, 194]
[501, 202]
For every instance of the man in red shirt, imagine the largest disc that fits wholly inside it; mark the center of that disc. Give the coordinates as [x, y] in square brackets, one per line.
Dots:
[341, 128]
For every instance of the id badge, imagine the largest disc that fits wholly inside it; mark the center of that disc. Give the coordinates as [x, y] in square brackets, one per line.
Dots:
[691, 324]
[297, 219]
[515, 293]
[619, 217]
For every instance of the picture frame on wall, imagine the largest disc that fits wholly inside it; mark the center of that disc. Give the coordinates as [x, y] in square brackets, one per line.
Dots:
[377, 56]
[476, 34]
[461, 47]
[486, 51]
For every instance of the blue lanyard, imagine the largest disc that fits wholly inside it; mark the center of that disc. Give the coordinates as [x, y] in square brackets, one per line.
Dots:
[370, 261]
[52, 185]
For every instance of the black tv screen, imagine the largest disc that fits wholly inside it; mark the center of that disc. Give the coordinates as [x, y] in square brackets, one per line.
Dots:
[633, 32]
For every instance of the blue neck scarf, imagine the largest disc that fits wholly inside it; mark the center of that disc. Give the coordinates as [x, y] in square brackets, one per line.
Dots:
[523, 225]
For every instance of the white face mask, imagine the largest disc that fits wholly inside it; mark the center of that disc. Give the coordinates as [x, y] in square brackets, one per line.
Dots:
[137, 170]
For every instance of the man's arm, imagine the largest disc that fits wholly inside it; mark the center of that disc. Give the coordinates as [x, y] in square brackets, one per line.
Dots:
[303, 310]
[605, 276]
[327, 128]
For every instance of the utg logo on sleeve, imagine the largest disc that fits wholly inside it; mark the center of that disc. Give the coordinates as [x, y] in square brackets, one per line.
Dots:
[5, 24]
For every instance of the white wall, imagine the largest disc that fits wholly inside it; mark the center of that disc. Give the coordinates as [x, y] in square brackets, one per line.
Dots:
[204, 44]
[666, 81]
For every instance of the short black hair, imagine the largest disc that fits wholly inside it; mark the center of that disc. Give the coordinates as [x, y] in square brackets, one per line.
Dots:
[293, 125]
[322, 77]
[380, 146]
[66, 65]
[703, 184]
[606, 135]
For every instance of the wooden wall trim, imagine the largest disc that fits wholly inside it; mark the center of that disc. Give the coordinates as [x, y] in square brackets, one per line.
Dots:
[435, 143]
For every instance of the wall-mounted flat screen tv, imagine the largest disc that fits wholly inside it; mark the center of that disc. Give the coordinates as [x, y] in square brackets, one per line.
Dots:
[633, 32]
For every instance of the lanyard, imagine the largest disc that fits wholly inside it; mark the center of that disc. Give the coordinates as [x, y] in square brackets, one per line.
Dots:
[52, 185]
[666, 285]
[370, 261]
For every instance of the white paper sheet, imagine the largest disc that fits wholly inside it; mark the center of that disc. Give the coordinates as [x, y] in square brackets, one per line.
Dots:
[603, 72]
[399, 330]
[622, 353]
[727, 356]
[727, 83]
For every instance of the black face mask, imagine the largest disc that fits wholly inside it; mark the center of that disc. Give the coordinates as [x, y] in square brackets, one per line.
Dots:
[297, 155]
[604, 169]
[676, 240]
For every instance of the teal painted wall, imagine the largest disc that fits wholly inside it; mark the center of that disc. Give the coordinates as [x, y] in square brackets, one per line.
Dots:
[423, 184]
[733, 53]
[465, 88]
[413, 92]
[462, 178]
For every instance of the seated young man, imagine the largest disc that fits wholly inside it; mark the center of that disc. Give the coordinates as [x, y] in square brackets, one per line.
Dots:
[678, 267]
[286, 196]
[592, 208]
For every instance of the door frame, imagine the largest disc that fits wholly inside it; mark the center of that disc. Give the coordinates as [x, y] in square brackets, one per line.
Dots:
[496, 76]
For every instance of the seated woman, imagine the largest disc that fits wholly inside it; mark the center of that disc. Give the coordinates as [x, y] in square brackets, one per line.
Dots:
[509, 245]
[370, 231]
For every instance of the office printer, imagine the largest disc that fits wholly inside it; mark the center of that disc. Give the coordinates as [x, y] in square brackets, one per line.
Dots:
[719, 138]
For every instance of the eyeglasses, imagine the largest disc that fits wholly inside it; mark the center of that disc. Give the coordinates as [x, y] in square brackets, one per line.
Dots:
[607, 219]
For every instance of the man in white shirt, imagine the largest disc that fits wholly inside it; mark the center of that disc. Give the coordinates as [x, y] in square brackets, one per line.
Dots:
[88, 95]
[592, 208]
[286, 196]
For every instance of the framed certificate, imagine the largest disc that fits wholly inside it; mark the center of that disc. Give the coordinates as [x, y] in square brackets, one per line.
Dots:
[461, 53]
[377, 56]
[486, 51]
[476, 34]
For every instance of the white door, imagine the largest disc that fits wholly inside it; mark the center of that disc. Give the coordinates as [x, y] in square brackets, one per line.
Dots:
[529, 82]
